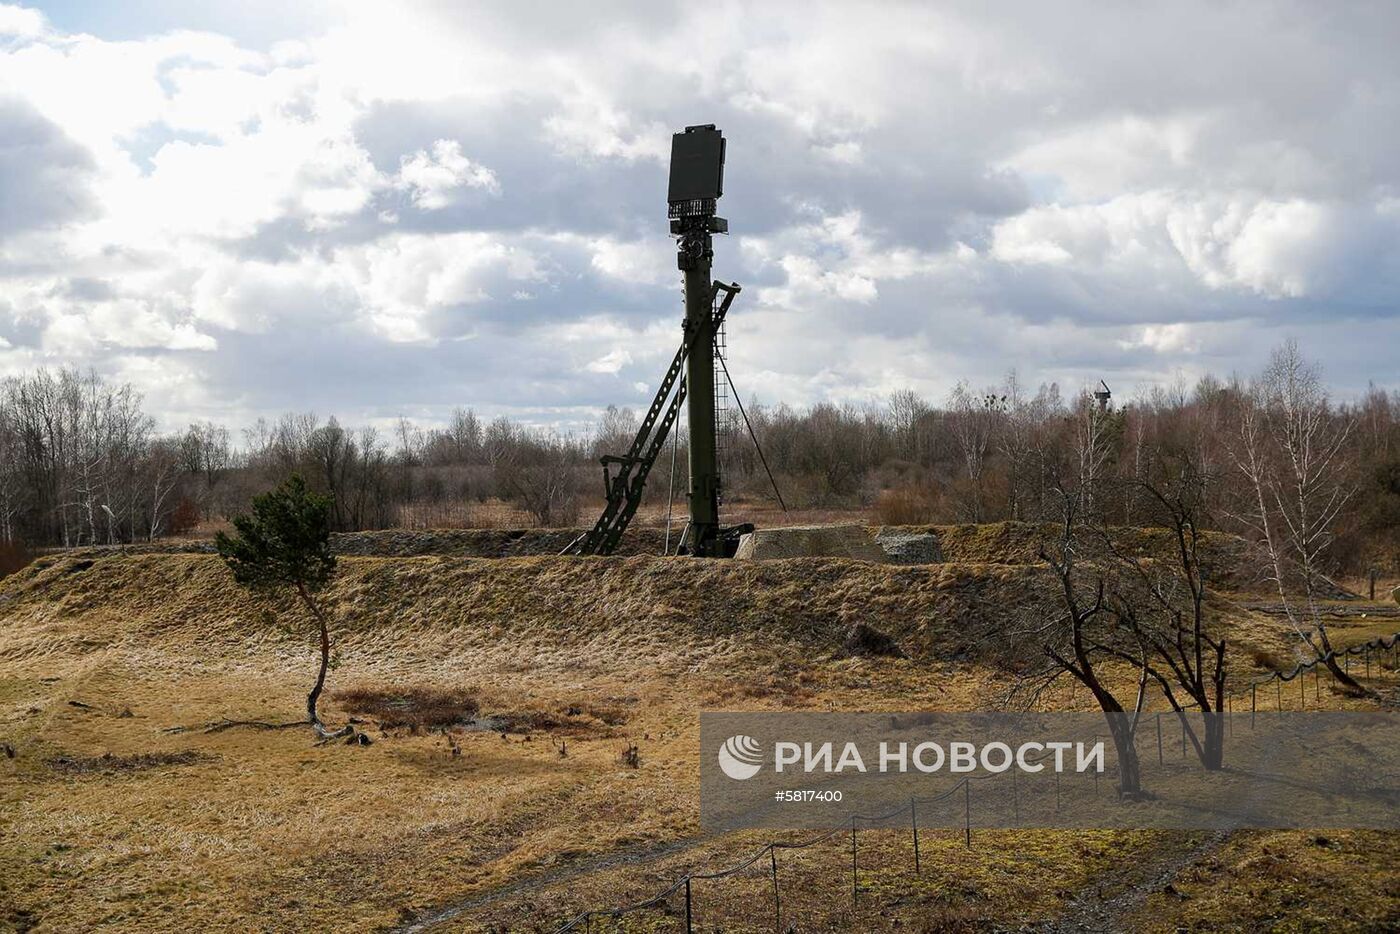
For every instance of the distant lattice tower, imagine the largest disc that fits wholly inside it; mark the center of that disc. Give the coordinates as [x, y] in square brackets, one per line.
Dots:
[1102, 395]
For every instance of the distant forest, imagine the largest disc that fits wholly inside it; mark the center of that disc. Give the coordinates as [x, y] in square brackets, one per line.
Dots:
[81, 461]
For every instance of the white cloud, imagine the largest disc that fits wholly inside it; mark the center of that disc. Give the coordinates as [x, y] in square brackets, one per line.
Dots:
[1272, 251]
[71, 324]
[259, 297]
[590, 126]
[20, 21]
[430, 178]
[1161, 239]
[638, 262]
[610, 362]
[834, 257]
[1162, 338]
[402, 279]
[1102, 158]
[125, 324]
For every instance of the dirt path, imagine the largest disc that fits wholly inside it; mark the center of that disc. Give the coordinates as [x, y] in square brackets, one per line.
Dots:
[1105, 906]
[543, 880]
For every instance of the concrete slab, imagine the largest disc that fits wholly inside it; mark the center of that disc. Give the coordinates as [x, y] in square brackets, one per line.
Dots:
[904, 547]
[817, 541]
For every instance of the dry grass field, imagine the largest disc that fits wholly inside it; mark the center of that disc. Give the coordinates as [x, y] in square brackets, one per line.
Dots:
[501, 695]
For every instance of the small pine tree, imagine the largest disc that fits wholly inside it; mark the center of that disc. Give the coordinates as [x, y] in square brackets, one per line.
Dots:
[285, 544]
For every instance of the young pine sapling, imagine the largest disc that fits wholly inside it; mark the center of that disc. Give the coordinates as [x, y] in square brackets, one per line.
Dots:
[284, 545]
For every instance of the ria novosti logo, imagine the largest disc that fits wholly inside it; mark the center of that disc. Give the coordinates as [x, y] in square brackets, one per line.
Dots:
[740, 757]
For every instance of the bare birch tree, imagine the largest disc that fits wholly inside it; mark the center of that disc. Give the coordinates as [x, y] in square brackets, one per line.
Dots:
[1292, 452]
[974, 419]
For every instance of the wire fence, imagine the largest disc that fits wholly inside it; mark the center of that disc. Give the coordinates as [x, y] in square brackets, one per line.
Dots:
[686, 883]
[582, 922]
[1372, 649]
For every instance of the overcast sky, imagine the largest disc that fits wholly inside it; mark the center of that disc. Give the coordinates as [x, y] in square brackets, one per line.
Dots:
[387, 208]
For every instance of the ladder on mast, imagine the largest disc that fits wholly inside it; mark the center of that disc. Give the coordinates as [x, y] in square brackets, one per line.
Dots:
[724, 415]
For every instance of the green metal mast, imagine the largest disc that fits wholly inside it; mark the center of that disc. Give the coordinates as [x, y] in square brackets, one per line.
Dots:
[697, 182]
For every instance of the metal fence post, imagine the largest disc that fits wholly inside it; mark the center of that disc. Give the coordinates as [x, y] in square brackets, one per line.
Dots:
[688, 917]
[853, 861]
[914, 819]
[967, 811]
[1253, 703]
[777, 903]
[1278, 693]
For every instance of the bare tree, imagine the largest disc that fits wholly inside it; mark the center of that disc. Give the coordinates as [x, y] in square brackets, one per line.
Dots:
[615, 431]
[459, 443]
[207, 451]
[1026, 444]
[1147, 613]
[1161, 604]
[76, 444]
[1073, 644]
[974, 420]
[540, 473]
[163, 470]
[1291, 450]
[15, 493]
[907, 413]
[410, 438]
[367, 492]
[1093, 446]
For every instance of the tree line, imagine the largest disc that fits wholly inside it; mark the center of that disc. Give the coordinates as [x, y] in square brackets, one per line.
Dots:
[82, 462]
[1311, 482]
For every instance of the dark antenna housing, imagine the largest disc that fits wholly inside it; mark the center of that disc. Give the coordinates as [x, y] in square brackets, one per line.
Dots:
[697, 167]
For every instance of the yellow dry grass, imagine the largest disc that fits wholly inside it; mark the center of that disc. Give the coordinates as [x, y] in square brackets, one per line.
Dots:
[1325, 880]
[606, 613]
[264, 830]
